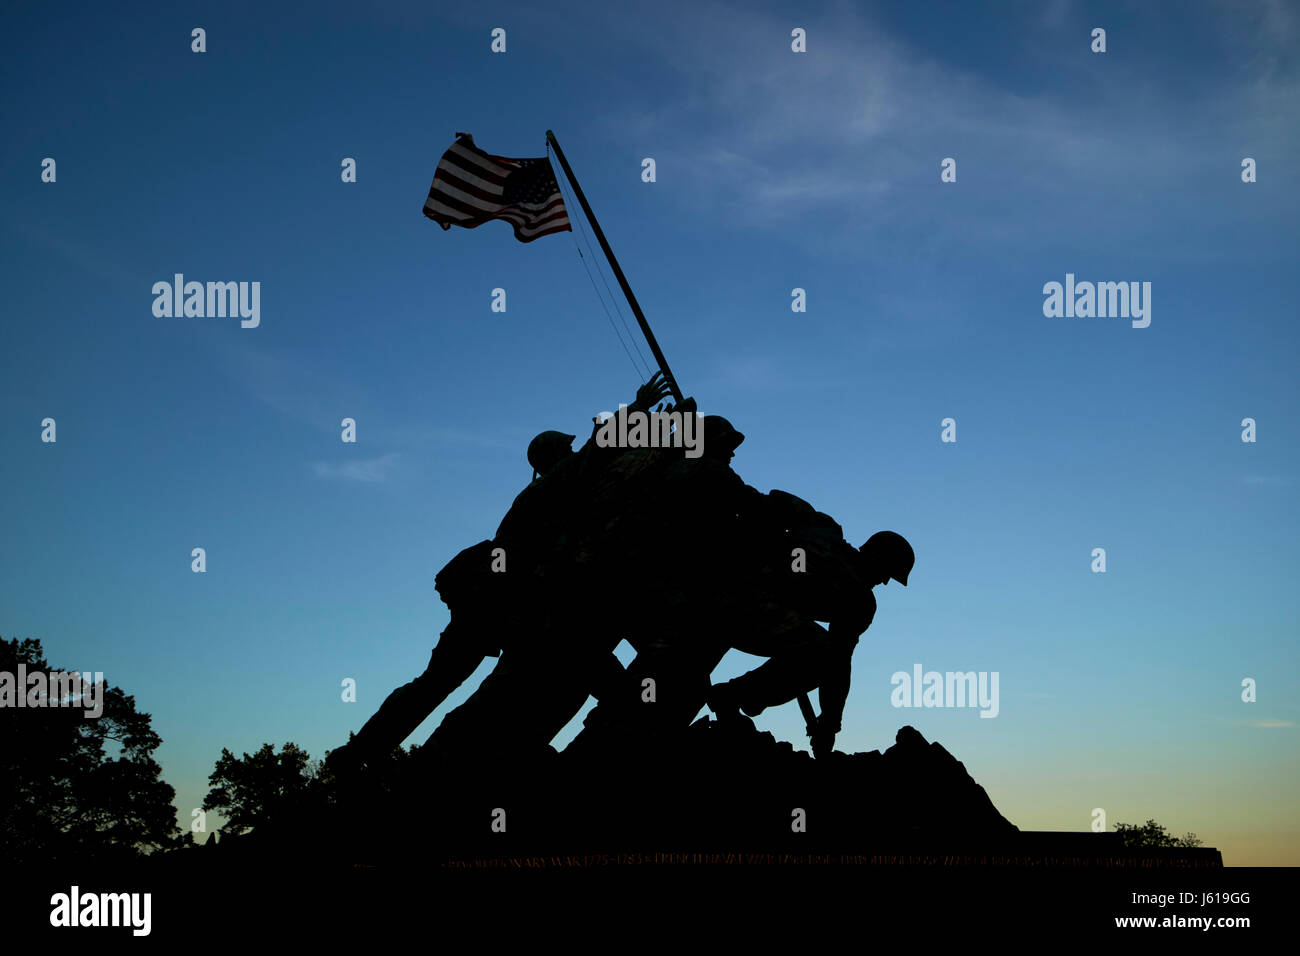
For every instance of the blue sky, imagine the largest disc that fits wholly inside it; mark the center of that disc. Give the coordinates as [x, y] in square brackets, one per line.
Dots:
[775, 170]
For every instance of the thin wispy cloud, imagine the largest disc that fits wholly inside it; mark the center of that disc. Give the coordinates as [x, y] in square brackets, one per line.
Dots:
[848, 132]
[366, 471]
[303, 390]
[1270, 723]
[293, 385]
[422, 436]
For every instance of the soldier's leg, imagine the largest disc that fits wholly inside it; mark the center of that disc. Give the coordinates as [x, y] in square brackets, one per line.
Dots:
[665, 687]
[558, 688]
[684, 682]
[797, 667]
[528, 698]
[484, 715]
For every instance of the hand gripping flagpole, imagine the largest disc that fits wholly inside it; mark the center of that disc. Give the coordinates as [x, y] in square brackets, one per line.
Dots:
[618, 272]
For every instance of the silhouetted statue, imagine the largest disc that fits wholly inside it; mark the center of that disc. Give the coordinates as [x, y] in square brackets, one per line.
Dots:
[675, 554]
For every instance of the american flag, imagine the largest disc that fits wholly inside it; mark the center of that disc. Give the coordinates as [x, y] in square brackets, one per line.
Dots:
[472, 187]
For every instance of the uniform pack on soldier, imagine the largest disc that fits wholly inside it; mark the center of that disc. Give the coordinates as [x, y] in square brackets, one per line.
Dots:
[563, 582]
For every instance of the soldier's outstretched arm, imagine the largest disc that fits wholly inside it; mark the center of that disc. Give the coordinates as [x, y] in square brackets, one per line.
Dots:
[456, 656]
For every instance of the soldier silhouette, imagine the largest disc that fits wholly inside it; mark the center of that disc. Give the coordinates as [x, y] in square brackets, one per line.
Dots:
[809, 656]
[490, 609]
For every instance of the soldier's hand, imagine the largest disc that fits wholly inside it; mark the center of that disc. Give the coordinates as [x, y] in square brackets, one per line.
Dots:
[686, 406]
[823, 742]
[823, 745]
[652, 391]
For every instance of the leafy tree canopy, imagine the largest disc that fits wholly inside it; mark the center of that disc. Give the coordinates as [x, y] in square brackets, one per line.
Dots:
[261, 786]
[1153, 834]
[289, 788]
[75, 786]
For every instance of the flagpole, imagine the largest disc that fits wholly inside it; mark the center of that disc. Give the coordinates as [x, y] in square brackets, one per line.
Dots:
[618, 272]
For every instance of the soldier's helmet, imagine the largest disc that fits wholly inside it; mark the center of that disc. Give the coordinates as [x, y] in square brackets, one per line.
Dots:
[548, 449]
[891, 553]
[720, 436]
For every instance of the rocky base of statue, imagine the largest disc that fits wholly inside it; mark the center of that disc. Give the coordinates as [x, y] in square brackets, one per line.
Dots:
[726, 787]
[714, 791]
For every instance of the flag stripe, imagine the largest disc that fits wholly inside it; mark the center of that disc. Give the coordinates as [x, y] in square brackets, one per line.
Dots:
[556, 222]
[475, 160]
[466, 208]
[544, 232]
[474, 197]
[536, 231]
[537, 220]
[442, 209]
[467, 194]
[460, 173]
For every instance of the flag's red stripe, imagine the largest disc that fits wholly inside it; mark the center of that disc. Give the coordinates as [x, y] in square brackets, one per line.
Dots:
[469, 189]
[493, 179]
[536, 215]
[534, 225]
[461, 179]
[547, 232]
[476, 162]
[471, 204]
[533, 220]
[465, 209]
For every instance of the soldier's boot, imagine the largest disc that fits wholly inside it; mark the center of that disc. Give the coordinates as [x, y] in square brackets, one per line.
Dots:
[724, 701]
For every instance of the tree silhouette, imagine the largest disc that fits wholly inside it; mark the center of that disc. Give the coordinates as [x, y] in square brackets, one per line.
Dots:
[289, 788]
[63, 795]
[262, 786]
[1152, 834]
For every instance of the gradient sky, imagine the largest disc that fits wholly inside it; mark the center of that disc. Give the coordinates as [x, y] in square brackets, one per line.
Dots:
[775, 170]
